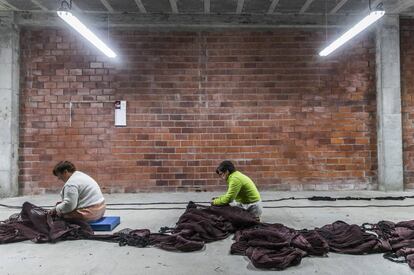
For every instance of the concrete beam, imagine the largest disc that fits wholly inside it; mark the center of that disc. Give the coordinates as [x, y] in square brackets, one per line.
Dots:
[239, 8]
[7, 4]
[206, 6]
[173, 4]
[272, 6]
[9, 105]
[393, 6]
[338, 6]
[107, 6]
[141, 6]
[37, 3]
[403, 6]
[189, 21]
[389, 125]
[305, 6]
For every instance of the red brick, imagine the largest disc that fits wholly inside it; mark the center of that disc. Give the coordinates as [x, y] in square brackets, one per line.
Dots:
[265, 100]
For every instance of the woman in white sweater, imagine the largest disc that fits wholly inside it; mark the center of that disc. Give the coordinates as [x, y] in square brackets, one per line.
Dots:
[82, 198]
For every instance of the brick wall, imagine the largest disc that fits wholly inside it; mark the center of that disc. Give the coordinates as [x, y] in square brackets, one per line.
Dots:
[407, 94]
[287, 118]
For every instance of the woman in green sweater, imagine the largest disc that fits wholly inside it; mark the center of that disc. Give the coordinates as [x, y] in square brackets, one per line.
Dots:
[241, 189]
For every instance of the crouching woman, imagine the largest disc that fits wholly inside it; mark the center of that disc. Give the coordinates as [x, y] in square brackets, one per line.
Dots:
[241, 191]
[81, 195]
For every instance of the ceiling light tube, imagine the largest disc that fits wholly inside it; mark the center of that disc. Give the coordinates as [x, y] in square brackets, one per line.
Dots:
[360, 26]
[74, 22]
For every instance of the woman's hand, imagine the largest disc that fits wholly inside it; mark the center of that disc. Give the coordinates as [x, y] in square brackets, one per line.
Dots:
[212, 201]
[52, 212]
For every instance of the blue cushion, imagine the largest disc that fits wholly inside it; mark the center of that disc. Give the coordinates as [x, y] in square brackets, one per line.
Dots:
[105, 223]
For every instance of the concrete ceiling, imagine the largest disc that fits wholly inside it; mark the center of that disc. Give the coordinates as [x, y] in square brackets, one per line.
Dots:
[218, 13]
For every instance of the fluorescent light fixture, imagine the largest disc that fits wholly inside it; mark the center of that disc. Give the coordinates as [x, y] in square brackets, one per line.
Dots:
[363, 24]
[74, 22]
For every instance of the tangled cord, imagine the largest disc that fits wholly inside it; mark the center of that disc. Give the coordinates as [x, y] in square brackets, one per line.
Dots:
[166, 229]
[393, 257]
[385, 228]
[132, 240]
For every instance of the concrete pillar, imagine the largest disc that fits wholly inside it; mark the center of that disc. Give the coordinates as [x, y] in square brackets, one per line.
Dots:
[389, 127]
[9, 105]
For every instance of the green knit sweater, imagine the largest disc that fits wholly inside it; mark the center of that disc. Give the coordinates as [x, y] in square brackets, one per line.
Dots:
[241, 188]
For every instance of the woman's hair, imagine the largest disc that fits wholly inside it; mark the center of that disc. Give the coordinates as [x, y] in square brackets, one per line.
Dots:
[62, 166]
[226, 166]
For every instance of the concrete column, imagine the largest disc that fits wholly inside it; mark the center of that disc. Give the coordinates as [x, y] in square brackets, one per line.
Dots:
[389, 127]
[9, 105]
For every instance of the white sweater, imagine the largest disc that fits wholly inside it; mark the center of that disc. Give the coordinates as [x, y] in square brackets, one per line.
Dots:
[79, 191]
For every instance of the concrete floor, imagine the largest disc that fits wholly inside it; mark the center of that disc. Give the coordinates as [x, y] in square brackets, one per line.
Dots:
[92, 257]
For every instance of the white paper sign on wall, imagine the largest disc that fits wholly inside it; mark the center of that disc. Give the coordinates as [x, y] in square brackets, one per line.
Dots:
[120, 113]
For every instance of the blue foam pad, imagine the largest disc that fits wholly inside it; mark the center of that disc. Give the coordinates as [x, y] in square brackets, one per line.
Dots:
[105, 223]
